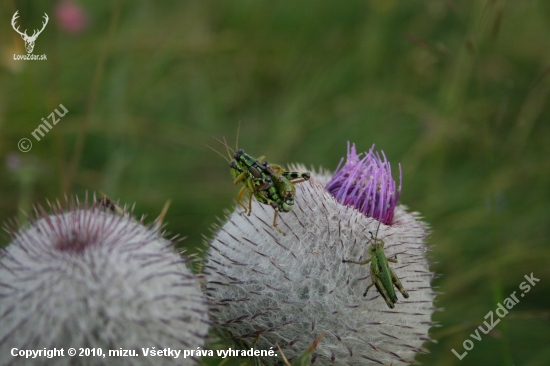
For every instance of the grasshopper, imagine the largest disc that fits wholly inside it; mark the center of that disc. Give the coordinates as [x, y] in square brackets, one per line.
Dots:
[269, 183]
[382, 276]
[264, 176]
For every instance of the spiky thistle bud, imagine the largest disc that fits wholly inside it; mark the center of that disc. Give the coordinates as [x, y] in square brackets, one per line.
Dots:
[84, 277]
[270, 288]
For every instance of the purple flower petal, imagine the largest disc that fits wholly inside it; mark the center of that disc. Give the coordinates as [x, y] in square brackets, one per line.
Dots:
[366, 183]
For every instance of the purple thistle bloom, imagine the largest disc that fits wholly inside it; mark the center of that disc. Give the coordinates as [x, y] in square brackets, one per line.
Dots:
[366, 184]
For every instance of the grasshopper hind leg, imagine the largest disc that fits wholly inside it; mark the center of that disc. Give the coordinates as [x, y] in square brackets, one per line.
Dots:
[390, 300]
[296, 177]
[395, 279]
[398, 284]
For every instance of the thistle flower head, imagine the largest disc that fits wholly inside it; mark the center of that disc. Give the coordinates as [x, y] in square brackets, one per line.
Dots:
[13, 161]
[366, 183]
[71, 17]
[85, 277]
[268, 288]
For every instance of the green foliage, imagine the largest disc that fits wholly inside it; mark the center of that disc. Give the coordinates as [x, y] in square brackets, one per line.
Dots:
[457, 92]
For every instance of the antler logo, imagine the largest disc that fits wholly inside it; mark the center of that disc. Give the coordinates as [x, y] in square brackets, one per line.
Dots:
[29, 40]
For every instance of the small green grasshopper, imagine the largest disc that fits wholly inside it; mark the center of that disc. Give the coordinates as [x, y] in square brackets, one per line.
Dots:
[278, 191]
[285, 188]
[382, 276]
[264, 176]
[270, 184]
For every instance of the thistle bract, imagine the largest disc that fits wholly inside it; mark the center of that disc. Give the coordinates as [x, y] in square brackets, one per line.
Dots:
[270, 289]
[87, 278]
[366, 183]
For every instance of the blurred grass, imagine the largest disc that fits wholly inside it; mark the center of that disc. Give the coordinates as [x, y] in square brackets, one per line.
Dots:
[457, 92]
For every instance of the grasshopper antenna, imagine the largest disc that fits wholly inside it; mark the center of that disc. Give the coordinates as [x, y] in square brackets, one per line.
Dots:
[237, 139]
[219, 153]
[224, 143]
[377, 228]
[227, 148]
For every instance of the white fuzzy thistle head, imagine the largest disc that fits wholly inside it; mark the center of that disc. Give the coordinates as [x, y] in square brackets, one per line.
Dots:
[86, 277]
[288, 289]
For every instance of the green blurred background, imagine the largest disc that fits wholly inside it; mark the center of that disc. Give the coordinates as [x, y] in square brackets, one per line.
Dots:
[455, 91]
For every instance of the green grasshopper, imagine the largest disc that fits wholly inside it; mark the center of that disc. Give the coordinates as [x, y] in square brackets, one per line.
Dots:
[382, 276]
[270, 184]
[285, 188]
[278, 191]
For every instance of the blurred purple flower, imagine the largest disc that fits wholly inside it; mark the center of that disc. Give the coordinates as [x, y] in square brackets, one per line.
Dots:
[71, 17]
[13, 161]
[366, 184]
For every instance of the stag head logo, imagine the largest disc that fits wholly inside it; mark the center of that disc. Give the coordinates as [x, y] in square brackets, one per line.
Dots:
[29, 40]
